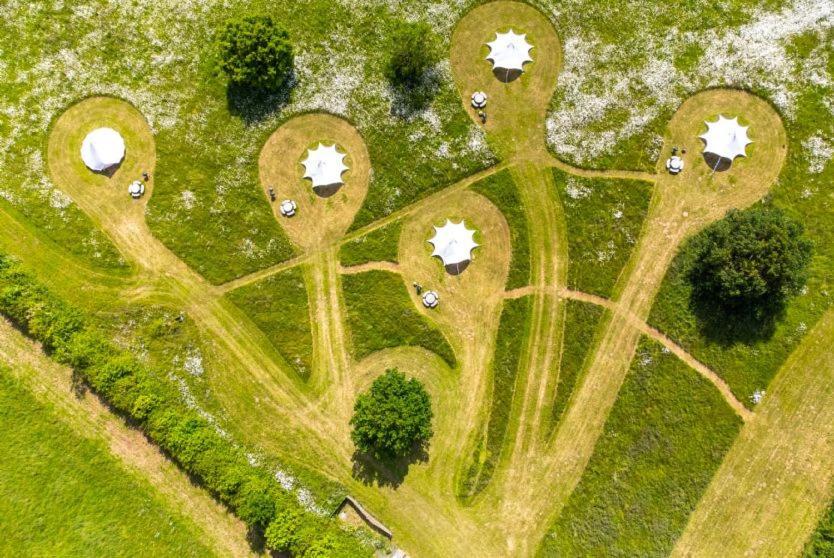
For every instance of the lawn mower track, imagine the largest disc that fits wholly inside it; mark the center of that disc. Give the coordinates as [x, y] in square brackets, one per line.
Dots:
[537, 472]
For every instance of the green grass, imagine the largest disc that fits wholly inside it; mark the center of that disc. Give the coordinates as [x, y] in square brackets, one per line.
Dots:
[736, 350]
[508, 346]
[379, 245]
[662, 442]
[500, 189]
[64, 495]
[603, 218]
[380, 315]
[581, 320]
[821, 543]
[280, 308]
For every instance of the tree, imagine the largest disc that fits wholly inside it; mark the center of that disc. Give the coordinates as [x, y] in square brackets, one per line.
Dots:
[392, 418]
[413, 51]
[255, 52]
[751, 261]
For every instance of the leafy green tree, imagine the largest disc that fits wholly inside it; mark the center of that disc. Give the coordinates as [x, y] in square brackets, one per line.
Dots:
[414, 50]
[255, 52]
[751, 260]
[392, 418]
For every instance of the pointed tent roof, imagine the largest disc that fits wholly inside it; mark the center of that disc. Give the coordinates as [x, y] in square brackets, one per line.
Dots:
[509, 51]
[453, 243]
[324, 166]
[102, 148]
[726, 138]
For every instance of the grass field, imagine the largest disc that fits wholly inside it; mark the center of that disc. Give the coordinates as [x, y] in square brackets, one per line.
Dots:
[581, 321]
[65, 495]
[380, 315]
[662, 442]
[269, 334]
[604, 220]
[279, 306]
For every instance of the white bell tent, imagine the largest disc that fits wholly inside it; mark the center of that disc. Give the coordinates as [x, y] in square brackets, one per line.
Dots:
[102, 148]
[324, 166]
[726, 139]
[453, 243]
[509, 52]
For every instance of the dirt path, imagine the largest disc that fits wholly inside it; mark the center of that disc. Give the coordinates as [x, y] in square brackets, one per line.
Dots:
[370, 266]
[778, 477]
[52, 383]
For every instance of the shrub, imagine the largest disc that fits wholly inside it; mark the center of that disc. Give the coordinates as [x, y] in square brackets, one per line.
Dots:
[393, 417]
[255, 52]
[155, 404]
[414, 50]
[751, 261]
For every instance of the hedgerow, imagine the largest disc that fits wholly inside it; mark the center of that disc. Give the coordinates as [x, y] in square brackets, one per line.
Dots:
[153, 404]
[503, 192]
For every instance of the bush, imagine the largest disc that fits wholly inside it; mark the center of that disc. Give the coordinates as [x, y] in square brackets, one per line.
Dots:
[414, 50]
[392, 418]
[154, 403]
[751, 261]
[255, 52]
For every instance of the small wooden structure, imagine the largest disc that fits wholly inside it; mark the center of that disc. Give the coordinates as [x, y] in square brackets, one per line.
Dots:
[352, 513]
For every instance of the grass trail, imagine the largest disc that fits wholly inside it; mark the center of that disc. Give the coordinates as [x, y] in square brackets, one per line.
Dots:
[778, 478]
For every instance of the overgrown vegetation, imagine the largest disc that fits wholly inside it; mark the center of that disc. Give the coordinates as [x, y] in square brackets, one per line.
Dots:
[508, 346]
[666, 435]
[379, 245]
[821, 543]
[393, 418]
[413, 53]
[153, 403]
[255, 52]
[380, 315]
[604, 218]
[501, 190]
[64, 495]
[581, 320]
[280, 308]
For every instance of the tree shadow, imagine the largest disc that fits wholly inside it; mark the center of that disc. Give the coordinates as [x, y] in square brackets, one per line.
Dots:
[370, 470]
[407, 100]
[254, 105]
[728, 325]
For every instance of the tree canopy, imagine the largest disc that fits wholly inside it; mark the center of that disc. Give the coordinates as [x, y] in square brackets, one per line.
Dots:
[414, 50]
[751, 260]
[255, 52]
[393, 417]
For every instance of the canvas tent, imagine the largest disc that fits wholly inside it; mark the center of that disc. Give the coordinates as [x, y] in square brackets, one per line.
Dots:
[508, 54]
[324, 166]
[725, 139]
[102, 149]
[453, 244]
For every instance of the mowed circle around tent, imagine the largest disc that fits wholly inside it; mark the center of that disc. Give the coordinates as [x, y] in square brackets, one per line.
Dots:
[103, 195]
[466, 299]
[516, 110]
[320, 220]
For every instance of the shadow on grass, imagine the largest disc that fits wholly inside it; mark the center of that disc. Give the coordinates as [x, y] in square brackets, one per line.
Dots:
[253, 105]
[728, 326]
[407, 100]
[370, 470]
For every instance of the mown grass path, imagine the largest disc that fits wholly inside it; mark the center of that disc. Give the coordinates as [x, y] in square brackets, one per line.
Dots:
[778, 477]
[307, 422]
